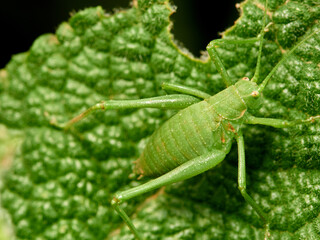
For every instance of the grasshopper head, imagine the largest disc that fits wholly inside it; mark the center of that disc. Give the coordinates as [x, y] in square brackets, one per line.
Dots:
[249, 92]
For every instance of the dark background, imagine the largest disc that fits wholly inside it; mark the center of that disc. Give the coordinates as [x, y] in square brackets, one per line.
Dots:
[196, 22]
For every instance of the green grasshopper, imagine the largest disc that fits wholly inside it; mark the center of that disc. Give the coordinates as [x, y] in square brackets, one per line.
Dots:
[200, 136]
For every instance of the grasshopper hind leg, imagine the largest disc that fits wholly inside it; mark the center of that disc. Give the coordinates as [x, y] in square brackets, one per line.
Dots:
[185, 171]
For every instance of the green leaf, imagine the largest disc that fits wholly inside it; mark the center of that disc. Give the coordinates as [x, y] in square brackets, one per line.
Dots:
[60, 183]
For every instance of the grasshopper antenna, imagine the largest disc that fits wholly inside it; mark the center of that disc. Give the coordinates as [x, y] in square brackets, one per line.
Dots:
[261, 36]
[265, 81]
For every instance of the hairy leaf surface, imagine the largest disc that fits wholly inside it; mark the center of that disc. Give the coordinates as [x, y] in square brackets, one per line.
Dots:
[60, 184]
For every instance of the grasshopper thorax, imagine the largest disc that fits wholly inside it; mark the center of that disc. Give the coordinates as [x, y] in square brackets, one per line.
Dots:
[249, 93]
[234, 101]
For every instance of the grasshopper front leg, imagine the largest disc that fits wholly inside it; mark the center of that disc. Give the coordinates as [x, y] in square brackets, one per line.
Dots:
[211, 48]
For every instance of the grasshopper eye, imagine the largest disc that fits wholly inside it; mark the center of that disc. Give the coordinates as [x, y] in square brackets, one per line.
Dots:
[246, 79]
[255, 94]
